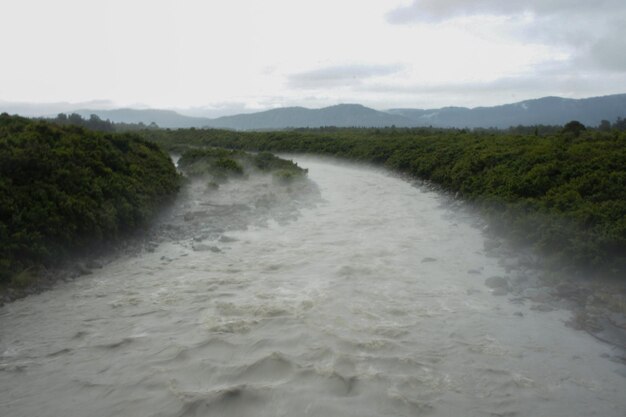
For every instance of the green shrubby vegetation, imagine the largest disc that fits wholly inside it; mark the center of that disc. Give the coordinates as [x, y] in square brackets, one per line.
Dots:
[94, 122]
[221, 164]
[63, 189]
[564, 192]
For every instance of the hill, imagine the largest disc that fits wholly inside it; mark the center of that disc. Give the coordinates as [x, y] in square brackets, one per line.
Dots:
[541, 111]
[342, 115]
[546, 111]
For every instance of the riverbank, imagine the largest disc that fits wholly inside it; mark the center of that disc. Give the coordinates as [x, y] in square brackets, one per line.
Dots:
[65, 191]
[271, 183]
[564, 193]
[71, 268]
[597, 304]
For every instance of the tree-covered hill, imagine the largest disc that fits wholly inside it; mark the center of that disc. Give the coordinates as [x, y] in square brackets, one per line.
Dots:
[565, 193]
[63, 188]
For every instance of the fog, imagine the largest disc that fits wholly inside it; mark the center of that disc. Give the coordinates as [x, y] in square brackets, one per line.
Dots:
[356, 293]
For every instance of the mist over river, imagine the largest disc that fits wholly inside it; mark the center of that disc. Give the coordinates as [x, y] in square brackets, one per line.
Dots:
[360, 294]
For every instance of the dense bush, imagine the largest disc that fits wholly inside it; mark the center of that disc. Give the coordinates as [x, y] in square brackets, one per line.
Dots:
[564, 192]
[222, 164]
[217, 163]
[63, 188]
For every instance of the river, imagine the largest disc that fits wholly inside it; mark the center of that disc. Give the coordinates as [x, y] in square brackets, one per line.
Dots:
[362, 296]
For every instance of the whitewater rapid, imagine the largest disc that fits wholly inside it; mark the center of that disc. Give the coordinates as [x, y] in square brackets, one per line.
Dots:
[364, 295]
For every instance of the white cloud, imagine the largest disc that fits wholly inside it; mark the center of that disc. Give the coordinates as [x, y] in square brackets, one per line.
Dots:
[438, 10]
[207, 54]
[591, 32]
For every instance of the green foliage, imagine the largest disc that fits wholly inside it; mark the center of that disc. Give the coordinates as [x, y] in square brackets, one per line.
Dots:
[574, 127]
[93, 123]
[564, 192]
[63, 188]
[222, 164]
[285, 176]
[218, 163]
[268, 162]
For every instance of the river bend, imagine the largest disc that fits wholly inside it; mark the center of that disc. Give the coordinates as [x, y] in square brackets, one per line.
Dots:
[364, 298]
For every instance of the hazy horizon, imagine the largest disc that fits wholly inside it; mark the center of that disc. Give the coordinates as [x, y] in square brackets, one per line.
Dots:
[51, 109]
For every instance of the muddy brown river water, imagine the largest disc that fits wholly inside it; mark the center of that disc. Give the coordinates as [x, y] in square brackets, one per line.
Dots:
[366, 297]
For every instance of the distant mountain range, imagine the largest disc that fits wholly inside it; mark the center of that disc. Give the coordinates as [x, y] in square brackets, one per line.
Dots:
[547, 111]
[342, 115]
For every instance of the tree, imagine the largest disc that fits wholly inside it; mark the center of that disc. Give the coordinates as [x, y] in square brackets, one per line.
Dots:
[75, 119]
[574, 127]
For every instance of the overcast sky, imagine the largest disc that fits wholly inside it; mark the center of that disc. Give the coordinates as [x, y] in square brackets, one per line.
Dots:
[242, 55]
